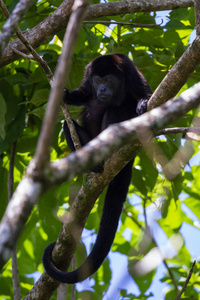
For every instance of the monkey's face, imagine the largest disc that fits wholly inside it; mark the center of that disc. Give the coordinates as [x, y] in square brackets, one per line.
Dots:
[106, 88]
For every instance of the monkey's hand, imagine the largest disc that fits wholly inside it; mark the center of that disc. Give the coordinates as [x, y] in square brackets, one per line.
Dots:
[66, 95]
[141, 106]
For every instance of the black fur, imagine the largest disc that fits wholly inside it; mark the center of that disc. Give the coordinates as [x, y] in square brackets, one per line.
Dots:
[130, 94]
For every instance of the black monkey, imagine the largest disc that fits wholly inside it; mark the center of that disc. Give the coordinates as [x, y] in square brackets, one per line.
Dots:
[113, 90]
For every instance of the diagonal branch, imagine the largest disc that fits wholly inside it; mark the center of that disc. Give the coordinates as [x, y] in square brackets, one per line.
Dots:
[42, 155]
[186, 282]
[13, 20]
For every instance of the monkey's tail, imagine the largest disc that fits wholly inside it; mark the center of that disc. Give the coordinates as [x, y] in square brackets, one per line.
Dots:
[115, 197]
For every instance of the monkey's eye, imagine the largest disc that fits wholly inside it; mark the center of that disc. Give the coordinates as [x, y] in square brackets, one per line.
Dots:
[97, 81]
[109, 80]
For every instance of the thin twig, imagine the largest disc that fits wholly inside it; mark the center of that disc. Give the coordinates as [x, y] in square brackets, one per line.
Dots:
[176, 130]
[122, 23]
[29, 57]
[15, 271]
[70, 124]
[144, 212]
[37, 57]
[171, 276]
[186, 282]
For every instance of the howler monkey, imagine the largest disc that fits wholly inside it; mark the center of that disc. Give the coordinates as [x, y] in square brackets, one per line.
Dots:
[113, 90]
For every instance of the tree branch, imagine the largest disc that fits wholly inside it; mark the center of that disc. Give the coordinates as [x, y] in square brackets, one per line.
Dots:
[44, 32]
[29, 57]
[70, 124]
[28, 191]
[13, 20]
[176, 130]
[42, 155]
[121, 23]
[186, 282]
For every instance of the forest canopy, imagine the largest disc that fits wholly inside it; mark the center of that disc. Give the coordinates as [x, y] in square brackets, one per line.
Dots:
[155, 254]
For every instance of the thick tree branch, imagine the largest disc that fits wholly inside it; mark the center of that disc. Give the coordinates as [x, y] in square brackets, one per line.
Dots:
[44, 32]
[123, 7]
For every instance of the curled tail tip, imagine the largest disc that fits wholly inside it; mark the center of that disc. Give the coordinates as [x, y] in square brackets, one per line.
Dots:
[75, 276]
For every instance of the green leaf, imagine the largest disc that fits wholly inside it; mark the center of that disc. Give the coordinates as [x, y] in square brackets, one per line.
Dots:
[173, 219]
[193, 204]
[147, 164]
[171, 37]
[40, 97]
[13, 130]
[39, 112]
[139, 181]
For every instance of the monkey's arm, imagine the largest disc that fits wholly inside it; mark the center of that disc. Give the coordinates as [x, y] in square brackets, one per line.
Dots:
[79, 96]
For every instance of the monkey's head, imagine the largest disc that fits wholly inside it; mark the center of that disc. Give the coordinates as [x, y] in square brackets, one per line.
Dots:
[106, 77]
[106, 88]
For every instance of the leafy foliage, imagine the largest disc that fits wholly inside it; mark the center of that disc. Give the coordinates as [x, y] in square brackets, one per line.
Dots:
[167, 206]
